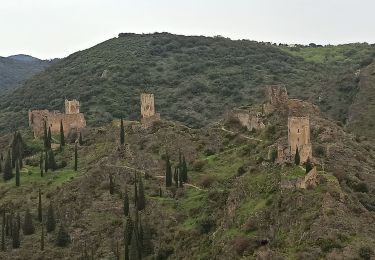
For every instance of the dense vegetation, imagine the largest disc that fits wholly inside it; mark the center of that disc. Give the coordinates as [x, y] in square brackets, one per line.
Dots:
[195, 79]
[14, 70]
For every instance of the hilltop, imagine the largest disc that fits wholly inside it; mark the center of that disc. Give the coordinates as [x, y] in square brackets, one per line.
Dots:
[16, 69]
[233, 205]
[196, 79]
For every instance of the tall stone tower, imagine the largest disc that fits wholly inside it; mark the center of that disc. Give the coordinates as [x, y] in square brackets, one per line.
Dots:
[299, 136]
[148, 114]
[72, 106]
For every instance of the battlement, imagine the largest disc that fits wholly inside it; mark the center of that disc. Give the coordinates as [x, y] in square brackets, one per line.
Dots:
[72, 106]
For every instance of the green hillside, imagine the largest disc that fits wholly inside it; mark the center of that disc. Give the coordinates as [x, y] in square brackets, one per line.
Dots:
[195, 79]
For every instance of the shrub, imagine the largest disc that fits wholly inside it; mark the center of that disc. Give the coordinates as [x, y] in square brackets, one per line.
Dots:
[241, 171]
[205, 225]
[361, 187]
[207, 181]
[241, 244]
[365, 252]
[250, 225]
[198, 165]
[319, 151]
[327, 244]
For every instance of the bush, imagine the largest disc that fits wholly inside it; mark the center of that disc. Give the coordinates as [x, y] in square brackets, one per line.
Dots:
[207, 181]
[327, 244]
[365, 252]
[205, 225]
[361, 187]
[250, 225]
[198, 165]
[241, 244]
[319, 151]
[241, 171]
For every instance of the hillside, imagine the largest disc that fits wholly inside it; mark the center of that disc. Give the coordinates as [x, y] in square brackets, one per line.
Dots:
[16, 69]
[232, 207]
[195, 79]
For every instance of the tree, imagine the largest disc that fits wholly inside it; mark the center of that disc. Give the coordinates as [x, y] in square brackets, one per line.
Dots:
[128, 230]
[3, 232]
[17, 147]
[40, 211]
[75, 158]
[297, 158]
[41, 165]
[28, 227]
[46, 166]
[122, 132]
[49, 138]
[45, 136]
[126, 203]
[184, 170]
[175, 176]
[308, 165]
[51, 160]
[168, 172]
[17, 173]
[8, 171]
[135, 190]
[63, 238]
[111, 185]
[51, 222]
[15, 235]
[62, 136]
[42, 239]
[80, 139]
[141, 196]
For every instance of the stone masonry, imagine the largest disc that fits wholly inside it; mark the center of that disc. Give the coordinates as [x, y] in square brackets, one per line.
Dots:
[276, 98]
[299, 136]
[148, 114]
[72, 119]
[249, 119]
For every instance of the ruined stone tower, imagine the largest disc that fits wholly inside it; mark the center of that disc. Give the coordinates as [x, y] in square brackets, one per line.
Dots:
[276, 98]
[299, 136]
[72, 106]
[148, 114]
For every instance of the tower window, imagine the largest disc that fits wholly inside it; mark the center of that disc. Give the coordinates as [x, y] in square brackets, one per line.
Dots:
[298, 130]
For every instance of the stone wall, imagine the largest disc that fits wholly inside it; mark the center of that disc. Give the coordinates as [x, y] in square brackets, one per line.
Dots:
[311, 180]
[299, 136]
[72, 106]
[276, 98]
[249, 119]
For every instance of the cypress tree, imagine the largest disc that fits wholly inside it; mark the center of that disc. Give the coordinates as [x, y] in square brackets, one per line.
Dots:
[160, 192]
[15, 235]
[40, 211]
[45, 136]
[175, 176]
[49, 138]
[111, 185]
[127, 236]
[51, 222]
[42, 239]
[168, 172]
[3, 232]
[63, 238]
[134, 246]
[122, 133]
[126, 203]
[20, 149]
[309, 165]
[28, 227]
[135, 190]
[297, 158]
[141, 196]
[62, 136]
[17, 174]
[117, 251]
[41, 165]
[46, 166]
[180, 180]
[51, 160]
[8, 171]
[75, 158]
[184, 170]
[14, 149]
[80, 139]
[7, 226]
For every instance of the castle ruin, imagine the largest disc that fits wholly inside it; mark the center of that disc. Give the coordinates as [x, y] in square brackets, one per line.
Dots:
[71, 119]
[148, 114]
[276, 99]
[299, 137]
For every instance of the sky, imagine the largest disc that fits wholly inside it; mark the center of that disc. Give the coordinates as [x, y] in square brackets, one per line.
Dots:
[56, 28]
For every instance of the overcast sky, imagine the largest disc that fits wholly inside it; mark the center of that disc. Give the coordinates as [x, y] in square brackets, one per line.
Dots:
[57, 28]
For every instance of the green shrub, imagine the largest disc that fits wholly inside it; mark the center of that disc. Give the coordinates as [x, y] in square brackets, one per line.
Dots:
[365, 252]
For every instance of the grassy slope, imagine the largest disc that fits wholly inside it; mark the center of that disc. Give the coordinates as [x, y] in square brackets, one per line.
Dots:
[195, 79]
[229, 207]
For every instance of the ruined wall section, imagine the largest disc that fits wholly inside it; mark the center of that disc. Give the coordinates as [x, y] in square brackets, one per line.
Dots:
[72, 106]
[249, 119]
[299, 136]
[148, 114]
[276, 99]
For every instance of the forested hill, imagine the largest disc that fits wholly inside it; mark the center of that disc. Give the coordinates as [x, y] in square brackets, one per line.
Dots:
[14, 70]
[195, 79]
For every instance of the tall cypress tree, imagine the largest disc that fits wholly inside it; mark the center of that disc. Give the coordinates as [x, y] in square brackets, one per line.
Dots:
[46, 166]
[8, 171]
[122, 133]
[184, 170]
[126, 203]
[17, 173]
[297, 158]
[40, 210]
[28, 227]
[111, 185]
[15, 235]
[3, 232]
[308, 165]
[51, 222]
[127, 236]
[141, 196]
[80, 139]
[45, 136]
[75, 158]
[42, 239]
[135, 190]
[175, 176]
[63, 238]
[51, 160]
[62, 136]
[168, 172]
[49, 138]
[41, 166]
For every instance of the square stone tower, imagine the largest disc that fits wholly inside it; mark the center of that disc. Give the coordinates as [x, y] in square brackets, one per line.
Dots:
[72, 106]
[148, 114]
[299, 136]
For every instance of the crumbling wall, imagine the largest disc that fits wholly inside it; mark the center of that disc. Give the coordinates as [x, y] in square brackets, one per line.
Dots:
[72, 106]
[276, 98]
[249, 119]
[148, 114]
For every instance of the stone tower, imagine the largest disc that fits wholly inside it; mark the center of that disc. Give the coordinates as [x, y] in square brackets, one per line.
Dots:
[148, 114]
[72, 106]
[299, 136]
[276, 98]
